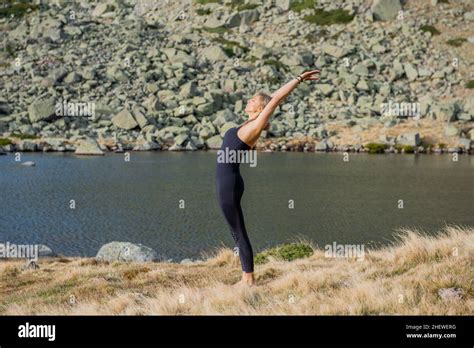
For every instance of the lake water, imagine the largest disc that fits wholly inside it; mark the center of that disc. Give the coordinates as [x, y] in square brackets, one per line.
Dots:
[139, 201]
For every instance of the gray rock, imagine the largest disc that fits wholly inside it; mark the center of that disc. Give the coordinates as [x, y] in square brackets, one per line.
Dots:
[410, 71]
[214, 142]
[28, 164]
[336, 51]
[178, 56]
[325, 89]
[384, 10]
[448, 294]
[88, 147]
[186, 261]
[147, 146]
[25, 145]
[214, 53]
[125, 251]
[324, 145]
[101, 9]
[124, 120]
[445, 111]
[466, 143]
[450, 130]
[412, 139]
[141, 119]
[42, 110]
[469, 106]
[469, 16]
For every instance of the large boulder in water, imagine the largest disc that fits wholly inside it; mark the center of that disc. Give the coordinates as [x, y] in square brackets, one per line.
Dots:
[125, 251]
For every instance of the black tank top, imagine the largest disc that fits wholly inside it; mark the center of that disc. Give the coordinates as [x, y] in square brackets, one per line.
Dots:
[231, 141]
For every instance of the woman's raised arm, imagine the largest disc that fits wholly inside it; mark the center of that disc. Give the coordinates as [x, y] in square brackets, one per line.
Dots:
[280, 95]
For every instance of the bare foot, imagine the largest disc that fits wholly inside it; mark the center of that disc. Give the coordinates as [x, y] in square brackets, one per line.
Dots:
[244, 283]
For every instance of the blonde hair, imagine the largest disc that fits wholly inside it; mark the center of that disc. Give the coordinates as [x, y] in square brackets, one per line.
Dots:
[265, 98]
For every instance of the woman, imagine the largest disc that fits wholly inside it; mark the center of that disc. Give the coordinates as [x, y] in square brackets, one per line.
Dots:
[229, 182]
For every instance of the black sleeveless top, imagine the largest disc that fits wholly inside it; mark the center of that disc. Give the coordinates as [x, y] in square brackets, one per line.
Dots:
[231, 141]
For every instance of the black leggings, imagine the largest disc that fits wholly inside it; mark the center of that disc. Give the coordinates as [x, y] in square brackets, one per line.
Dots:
[230, 190]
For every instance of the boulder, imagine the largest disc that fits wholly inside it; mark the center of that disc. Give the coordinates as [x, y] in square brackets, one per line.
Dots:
[451, 130]
[214, 142]
[336, 51]
[214, 53]
[412, 139]
[43, 110]
[124, 120]
[125, 251]
[384, 10]
[449, 294]
[88, 147]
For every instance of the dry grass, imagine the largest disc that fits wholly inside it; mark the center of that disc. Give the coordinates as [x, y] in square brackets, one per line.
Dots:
[403, 278]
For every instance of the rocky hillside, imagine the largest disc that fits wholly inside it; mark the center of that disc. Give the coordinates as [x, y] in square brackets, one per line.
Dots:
[175, 75]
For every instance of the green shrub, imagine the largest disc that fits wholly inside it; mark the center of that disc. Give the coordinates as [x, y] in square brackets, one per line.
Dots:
[202, 12]
[277, 64]
[376, 147]
[322, 17]
[470, 84]
[25, 136]
[10, 8]
[203, 2]
[218, 30]
[456, 42]
[285, 252]
[302, 5]
[4, 141]
[442, 145]
[240, 5]
[229, 45]
[408, 149]
[431, 29]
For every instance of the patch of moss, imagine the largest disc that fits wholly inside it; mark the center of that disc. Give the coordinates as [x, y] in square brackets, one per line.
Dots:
[229, 51]
[408, 149]
[443, 1]
[431, 29]
[470, 84]
[228, 44]
[4, 141]
[240, 5]
[456, 42]
[321, 17]
[202, 12]
[302, 5]
[250, 59]
[16, 9]
[25, 136]
[203, 2]
[285, 252]
[218, 30]
[277, 64]
[376, 147]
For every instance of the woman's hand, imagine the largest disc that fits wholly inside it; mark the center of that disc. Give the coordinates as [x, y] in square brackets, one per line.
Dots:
[309, 75]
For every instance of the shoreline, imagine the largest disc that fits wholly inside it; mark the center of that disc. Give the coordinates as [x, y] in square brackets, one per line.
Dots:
[305, 144]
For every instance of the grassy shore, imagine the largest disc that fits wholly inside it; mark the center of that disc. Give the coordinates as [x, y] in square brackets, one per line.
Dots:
[403, 278]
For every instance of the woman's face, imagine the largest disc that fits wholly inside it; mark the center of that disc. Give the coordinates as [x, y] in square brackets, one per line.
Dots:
[253, 104]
